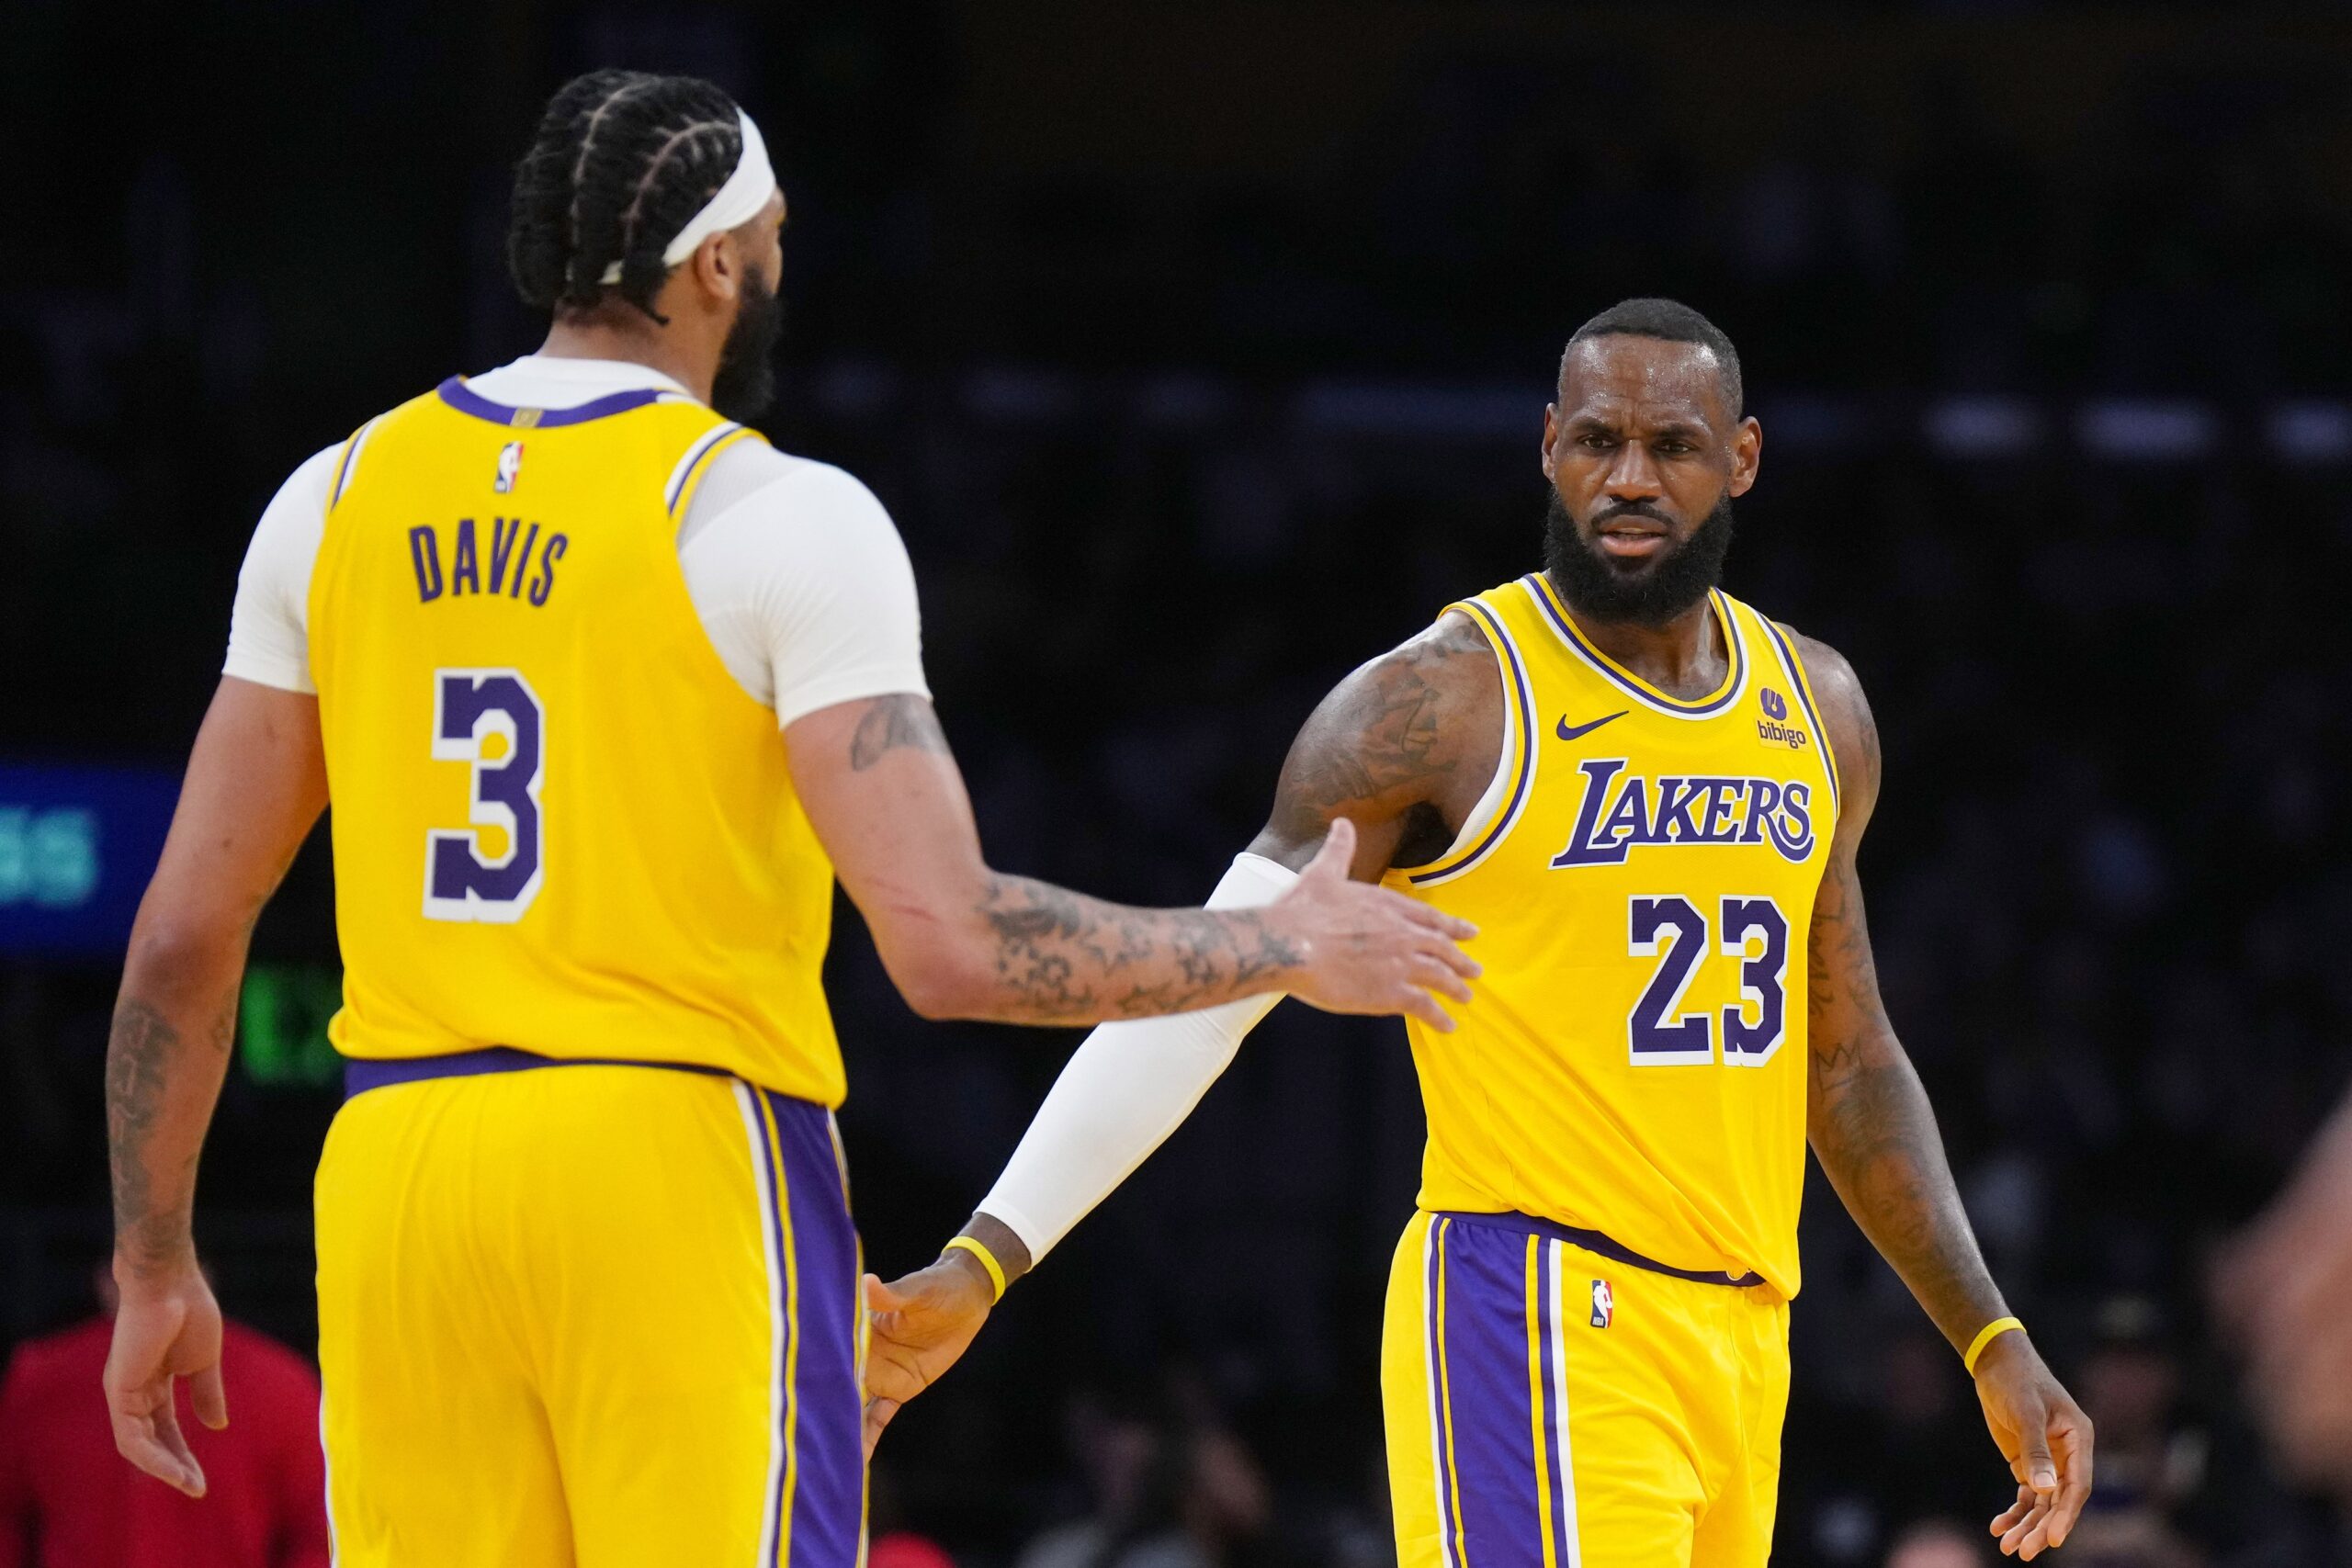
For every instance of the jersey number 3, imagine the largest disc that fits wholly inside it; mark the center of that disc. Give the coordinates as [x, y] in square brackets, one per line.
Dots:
[489, 872]
[1669, 929]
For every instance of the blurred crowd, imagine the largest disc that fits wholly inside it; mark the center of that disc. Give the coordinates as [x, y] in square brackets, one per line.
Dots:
[2111, 878]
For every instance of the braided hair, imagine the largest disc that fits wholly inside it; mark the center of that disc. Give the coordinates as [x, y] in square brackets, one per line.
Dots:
[621, 161]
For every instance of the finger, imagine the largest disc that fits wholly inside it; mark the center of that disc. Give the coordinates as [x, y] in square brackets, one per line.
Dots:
[2035, 1467]
[2014, 1512]
[2013, 1539]
[2075, 1487]
[1451, 927]
[1338, 853]
[877, 1415]
[142, 1450]
[210, 1400]
[1453, 958]
[1432, 975]
[1423, 1006]
[174, 1442]
[881, 1298]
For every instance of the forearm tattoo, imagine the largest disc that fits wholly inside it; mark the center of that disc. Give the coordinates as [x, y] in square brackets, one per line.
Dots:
[1062, 955]
[1869, 1118]
[145, 1053]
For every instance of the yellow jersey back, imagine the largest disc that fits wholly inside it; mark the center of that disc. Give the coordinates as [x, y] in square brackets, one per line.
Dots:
[560, 824]
[1642, 876]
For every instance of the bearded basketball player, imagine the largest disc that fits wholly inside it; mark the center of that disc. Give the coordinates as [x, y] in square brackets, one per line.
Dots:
[1650, 797]
[603, 692]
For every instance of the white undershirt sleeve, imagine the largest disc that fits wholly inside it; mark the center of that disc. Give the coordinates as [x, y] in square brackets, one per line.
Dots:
[269, 639]
[802, 583]
[1127, 1088]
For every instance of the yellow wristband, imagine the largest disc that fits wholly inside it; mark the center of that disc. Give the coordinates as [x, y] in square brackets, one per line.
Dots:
[1984, 1335]
[996, 1269]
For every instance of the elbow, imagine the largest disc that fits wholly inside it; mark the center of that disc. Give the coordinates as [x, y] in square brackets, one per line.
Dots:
[169, 952]
[940, 986]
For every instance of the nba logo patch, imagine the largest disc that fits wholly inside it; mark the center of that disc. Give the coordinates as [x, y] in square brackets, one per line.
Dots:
[1775, 705]
[1604, 1305]
[510, 466]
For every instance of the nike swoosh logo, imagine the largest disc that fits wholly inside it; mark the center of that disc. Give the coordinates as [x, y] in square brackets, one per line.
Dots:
[1565, 733]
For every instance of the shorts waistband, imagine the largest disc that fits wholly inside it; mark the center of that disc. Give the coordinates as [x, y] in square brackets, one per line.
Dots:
[1594, 1241]
[362, 1074]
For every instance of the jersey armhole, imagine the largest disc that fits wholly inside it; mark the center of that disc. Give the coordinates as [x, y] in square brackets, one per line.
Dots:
[1784, 643]
[1490, 821]
[693, 467]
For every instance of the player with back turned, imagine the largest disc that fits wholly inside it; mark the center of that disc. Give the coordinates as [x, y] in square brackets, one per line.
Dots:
[1650, 797]
[587, 1278]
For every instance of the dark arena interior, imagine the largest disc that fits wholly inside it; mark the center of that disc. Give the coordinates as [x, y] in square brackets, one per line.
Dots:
[1199, 354]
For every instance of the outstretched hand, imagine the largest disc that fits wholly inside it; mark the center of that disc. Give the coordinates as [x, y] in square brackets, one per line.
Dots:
[1369, 949]
[2046, 1438]
[162, 1332]
[917, 1328]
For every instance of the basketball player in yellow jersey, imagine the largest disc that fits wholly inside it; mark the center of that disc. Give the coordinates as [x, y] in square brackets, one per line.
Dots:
[587, 1278]
[1650, 797]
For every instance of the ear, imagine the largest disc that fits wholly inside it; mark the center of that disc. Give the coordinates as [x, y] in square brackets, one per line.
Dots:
[1551, 435]
[1747, 453]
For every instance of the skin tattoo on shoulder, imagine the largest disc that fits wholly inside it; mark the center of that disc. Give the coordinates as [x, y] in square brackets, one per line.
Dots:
[899, 722]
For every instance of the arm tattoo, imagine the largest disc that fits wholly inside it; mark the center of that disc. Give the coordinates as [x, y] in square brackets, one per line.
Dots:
[1868, 1115]
[899, 722]
[1390, 720]
[143, 1053]
[1062, 955]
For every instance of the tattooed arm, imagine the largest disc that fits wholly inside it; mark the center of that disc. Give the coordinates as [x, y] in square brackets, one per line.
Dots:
[962, 939]
[256, 782]
[1383, 774]
[1875, 1136]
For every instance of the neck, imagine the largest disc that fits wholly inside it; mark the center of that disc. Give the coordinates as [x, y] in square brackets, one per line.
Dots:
[636, 339]
[1685, 657]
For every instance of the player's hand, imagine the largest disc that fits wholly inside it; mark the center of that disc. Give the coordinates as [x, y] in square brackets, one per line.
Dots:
[166, 1328]
[2046, 1438]
[1369, 949]
[2282, 1287]
[917, 1328]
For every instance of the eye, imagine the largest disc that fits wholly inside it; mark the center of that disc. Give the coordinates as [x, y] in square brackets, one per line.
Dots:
[1595, 439]
[1673, 448]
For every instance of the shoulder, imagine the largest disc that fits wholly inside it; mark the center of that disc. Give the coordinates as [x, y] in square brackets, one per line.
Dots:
[773, 488]
[1409, 726]
[1845, 713]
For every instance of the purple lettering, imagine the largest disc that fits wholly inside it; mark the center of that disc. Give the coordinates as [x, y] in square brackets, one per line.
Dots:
[1584, 846]
[1763, 799]
[425, 554]
[515, 592]
[544, 584]
[504, 531]
[465, 567]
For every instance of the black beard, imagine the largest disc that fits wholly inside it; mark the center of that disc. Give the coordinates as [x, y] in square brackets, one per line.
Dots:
[1646, 594]
[745, 383]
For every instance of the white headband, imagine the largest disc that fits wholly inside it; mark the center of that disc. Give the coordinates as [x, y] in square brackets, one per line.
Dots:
[737, 202]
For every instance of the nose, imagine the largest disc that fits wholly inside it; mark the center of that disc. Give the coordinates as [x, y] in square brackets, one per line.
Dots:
[1632, 475]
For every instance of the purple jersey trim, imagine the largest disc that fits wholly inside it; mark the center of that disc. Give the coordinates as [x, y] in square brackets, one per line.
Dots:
[1593, 1241]
[465, 400]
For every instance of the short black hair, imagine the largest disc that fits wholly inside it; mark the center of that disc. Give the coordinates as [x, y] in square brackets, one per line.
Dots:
[621, 161]
[1674, 321]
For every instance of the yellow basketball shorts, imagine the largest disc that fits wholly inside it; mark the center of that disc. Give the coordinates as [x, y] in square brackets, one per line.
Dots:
[597, 1315]
[1550, 1406]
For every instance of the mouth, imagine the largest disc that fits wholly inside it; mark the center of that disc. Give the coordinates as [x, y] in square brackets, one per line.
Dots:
[1631, 540]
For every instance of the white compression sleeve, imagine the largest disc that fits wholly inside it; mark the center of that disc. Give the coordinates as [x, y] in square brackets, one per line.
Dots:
[1127, 1088]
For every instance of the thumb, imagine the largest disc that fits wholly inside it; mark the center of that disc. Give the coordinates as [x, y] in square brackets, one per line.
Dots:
[2040, 1472]
[880, 1297]
[210, 1400]
[1338, 853]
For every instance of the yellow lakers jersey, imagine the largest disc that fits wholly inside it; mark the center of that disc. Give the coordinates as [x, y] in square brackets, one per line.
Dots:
[560, 824]
[1642, 875]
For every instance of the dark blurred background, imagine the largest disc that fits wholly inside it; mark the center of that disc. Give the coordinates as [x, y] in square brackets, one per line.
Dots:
[1200, 352]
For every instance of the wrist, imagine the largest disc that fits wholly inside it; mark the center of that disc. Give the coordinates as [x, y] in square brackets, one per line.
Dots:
[1997, 1342]
[966, 1263]
[154, 1266]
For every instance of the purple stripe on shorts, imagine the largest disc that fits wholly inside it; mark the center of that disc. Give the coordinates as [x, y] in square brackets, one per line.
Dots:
[829, 1494]
[1432, 1288]
[1494, 1452]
